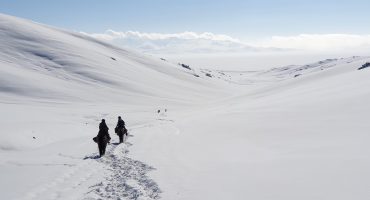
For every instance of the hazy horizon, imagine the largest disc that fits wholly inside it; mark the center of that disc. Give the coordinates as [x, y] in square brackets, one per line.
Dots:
[210, 27]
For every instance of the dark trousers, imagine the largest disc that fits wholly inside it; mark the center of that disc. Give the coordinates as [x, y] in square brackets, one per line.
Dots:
[120, 138]
[102, 146]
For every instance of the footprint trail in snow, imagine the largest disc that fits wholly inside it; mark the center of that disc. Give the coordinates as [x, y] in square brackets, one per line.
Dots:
[125, 177]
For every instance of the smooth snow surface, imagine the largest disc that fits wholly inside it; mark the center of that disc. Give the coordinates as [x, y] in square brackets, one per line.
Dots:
[294, 132]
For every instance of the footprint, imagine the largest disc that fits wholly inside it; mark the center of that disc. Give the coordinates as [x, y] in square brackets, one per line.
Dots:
[128, 178]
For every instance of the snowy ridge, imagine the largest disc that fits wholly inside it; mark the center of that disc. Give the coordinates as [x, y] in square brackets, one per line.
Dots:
[280, 73]
[75, 66]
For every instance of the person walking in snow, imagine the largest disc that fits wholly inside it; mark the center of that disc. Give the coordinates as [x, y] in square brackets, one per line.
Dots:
[103, 137]
[121, 129]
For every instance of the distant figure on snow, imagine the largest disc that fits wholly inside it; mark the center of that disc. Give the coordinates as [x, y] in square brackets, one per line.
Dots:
[159, 111]
[103, 137]
[121, 129]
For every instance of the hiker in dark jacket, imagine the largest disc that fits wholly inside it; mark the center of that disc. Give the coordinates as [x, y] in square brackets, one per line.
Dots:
[103, 137]
[120, 129]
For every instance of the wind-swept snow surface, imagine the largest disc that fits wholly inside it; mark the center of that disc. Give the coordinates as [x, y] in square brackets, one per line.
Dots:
[296, 132]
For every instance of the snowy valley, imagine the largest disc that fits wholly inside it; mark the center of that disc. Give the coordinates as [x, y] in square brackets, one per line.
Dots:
[292, 132]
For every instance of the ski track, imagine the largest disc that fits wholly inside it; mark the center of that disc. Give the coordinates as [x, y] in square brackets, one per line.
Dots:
[126, 178]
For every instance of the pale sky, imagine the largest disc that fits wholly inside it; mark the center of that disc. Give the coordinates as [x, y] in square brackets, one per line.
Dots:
[314, 24]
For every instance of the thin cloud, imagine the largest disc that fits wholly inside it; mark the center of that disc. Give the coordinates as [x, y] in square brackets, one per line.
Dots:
[192, 42]
[185, 42]
[112, 35]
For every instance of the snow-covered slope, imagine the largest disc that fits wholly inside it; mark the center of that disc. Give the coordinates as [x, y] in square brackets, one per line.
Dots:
[71, 66]
[39, 63]
[278, 73]
[301, 138]
[296, 132]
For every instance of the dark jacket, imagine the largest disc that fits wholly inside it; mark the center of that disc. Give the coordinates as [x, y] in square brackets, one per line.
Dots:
[103, 135]
[120, 123]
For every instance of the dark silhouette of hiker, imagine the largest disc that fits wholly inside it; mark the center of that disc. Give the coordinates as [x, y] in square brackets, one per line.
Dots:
[120, 129]
[103, 137]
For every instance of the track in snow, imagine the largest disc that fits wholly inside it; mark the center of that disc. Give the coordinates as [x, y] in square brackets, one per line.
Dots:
[126, 178]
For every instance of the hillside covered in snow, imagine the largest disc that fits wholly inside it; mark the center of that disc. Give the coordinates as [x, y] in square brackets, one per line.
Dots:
[292, 132]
